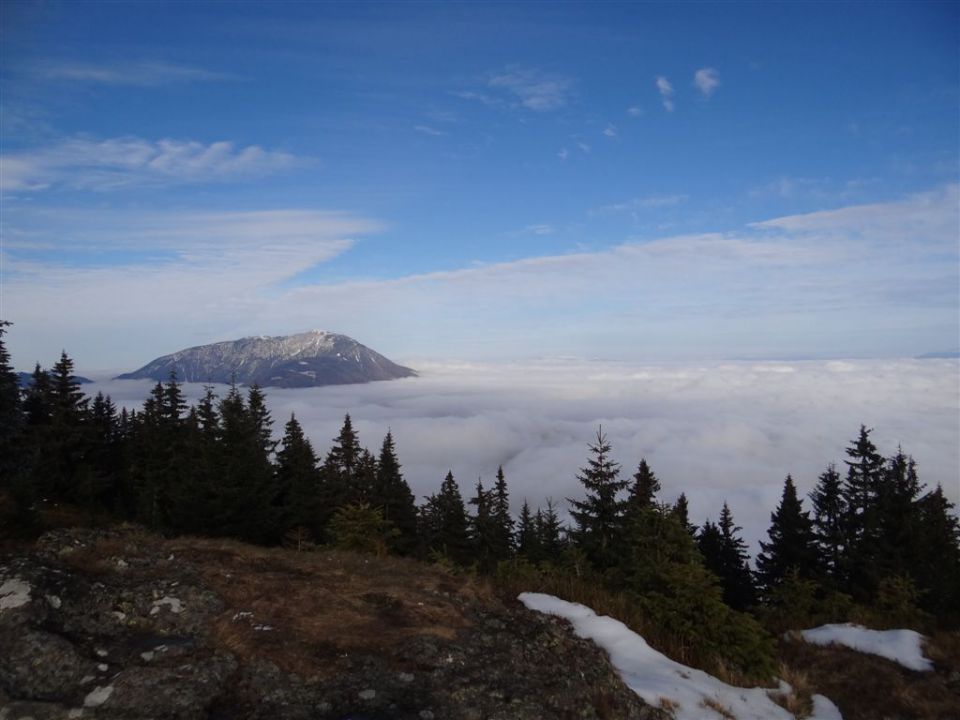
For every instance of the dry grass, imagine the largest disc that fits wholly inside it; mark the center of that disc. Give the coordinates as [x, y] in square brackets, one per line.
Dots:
[718, 708]
[324, 605]
[866, 687]
[799, 701]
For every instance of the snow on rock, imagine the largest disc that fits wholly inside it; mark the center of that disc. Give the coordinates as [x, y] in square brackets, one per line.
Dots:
[175, 605]
[824, 709]
[14, 593]
[693, 694]
[98, 696]
[901, 646]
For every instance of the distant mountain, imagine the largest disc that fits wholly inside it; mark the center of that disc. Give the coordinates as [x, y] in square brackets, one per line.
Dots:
[306, 360]
[26, 379]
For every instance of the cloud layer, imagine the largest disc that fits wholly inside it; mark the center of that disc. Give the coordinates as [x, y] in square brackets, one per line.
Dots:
[728, 431]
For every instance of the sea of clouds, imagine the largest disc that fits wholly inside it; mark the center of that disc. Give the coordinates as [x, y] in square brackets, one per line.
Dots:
[722, 431]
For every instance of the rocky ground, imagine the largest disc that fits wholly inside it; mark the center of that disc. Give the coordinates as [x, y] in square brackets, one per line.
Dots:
[122, 624]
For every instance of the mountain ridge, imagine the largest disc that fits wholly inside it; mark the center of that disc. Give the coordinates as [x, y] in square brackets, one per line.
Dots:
[310, 359]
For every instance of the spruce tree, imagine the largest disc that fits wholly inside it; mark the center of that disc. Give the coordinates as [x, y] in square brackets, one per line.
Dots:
[11, 417]
[732, 564]
[551, 542]
[938, 570]
[503, 533]
[792, 545]
[645, 487]
[681, 510]
[298, 481]
[528, 545]
[444, 523]
[392, 494]
[482, 527]
[862, 490]
[829, 530]
[341, 467]
[599, 515]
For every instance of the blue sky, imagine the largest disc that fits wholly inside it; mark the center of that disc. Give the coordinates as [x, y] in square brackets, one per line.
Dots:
[482, 181]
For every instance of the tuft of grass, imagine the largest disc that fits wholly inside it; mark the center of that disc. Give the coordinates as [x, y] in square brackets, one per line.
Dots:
[799, 701]
[720, 709]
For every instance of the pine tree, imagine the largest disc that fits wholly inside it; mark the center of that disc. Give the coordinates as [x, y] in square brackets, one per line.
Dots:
[528, 545]
[11, 417]
[829, 531]
[938, 571]
[645, 487]
[862, 490]
[681, 510]
[551, 542]
[792, 545]
[444, 523]
[298, 481]
[482, 528]
[392, 494]
[733, 566]
[340, 468]
[503, 534]
[599, 515]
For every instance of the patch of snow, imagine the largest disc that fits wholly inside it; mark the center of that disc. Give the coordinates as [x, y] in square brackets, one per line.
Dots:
[368, 694]
[75, 713]
[14, 593]
[147, 656]
[175, 605]
[655, 677]
[101, 652]
[98, 696]
[103, 667]
[901, 646]
[53, 601]
[824, 709]
[263, 627]
[241, 615]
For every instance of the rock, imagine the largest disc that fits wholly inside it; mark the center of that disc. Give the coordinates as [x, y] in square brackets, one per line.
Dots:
[146, 628]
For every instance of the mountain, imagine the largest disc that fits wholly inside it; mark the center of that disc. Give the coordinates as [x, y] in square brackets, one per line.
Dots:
[26, 379]
[946, 355]
[309, 359]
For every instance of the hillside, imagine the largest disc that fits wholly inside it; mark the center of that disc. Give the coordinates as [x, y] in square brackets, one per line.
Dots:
[122, 624]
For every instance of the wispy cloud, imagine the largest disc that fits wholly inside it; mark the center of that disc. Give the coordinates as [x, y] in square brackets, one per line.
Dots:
[533, 89]
[665, 88]
[706, 80]
[610, 131]
[427, 130]
[142, 74]
[584, 148]
[635, 111]
[563, 153]
[640, 203]
[540, 229]
[102, 165]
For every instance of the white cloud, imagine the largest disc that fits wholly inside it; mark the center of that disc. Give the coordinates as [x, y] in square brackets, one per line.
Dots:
[427, 130]
[563, 154]
[634, 111]
[610, 131]
[785, 287]
[103, 165]
[584, 148]
[665, 88]
[716, 431]
[533, 89]
[143, 74]
[706, 80]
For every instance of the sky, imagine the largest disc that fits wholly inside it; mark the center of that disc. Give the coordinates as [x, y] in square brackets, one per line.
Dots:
[481, 181]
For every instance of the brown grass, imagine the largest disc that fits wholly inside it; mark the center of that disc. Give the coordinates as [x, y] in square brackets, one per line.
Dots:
[718, 708]
[866, 687]
[799, 701]
[324, 605]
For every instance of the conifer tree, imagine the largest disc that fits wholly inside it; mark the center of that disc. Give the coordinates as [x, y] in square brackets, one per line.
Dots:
[862, 490]
[298, 480]
[503, 533]
[341, 468]
[599, 515]
[938, 570]
[482, 527]
[681, 510]
[551, 542]
[792, 544]
[645, 487]
[11, 418]
[828, 522]
[527, 539]
[731, 563]
[392, 494]
[444, 523]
